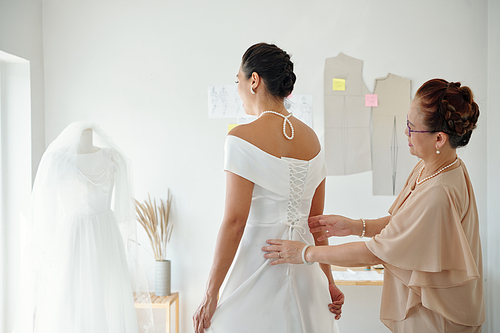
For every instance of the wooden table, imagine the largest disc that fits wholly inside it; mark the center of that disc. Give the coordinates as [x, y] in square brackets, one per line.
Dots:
[358, 282]
[164, 302]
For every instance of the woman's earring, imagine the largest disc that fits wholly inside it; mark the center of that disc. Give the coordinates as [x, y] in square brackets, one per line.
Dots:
[252, 91]
[437, 151]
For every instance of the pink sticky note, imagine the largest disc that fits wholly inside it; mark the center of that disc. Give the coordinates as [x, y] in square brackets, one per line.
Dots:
[371, 100]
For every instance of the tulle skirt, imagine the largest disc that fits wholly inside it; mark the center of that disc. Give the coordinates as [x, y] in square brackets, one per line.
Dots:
[88, 287]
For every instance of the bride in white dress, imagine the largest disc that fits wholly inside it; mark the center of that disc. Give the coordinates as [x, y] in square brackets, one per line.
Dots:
[275, 180]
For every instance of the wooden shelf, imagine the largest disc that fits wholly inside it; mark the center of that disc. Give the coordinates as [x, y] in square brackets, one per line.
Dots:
[163, 302]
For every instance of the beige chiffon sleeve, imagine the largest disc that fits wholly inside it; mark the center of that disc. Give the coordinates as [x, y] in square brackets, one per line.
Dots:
[428, 238]
[432, 255]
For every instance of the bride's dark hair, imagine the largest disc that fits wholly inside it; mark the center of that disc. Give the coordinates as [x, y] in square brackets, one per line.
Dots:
[273, 65]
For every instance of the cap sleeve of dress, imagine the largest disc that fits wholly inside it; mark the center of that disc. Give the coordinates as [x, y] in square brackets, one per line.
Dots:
[318, 168]
[427, 238]
[248, 161]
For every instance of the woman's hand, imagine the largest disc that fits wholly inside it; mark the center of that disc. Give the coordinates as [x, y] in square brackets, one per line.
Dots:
[337, 300]
[333, 225]
[284, 251]
[203, 316]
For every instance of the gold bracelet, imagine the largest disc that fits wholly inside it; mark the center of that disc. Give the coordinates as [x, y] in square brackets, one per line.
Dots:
[364, 228]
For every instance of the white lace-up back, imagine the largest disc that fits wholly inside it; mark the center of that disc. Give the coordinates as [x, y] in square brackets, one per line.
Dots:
[298, 172]
[258, 297]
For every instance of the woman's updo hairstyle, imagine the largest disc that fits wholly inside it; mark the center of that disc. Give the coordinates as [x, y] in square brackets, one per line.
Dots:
[273, 65]
[447, 107]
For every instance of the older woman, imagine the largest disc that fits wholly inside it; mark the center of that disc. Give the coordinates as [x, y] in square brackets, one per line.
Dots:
[429, 244]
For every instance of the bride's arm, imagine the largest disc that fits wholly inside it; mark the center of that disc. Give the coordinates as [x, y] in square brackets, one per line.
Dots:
[317, 206]
[237, 206]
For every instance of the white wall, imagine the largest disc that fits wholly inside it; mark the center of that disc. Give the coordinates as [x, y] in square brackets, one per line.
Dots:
[23, 132]
[21, 35]
[141, 69]
[493, 162]
[15, 174]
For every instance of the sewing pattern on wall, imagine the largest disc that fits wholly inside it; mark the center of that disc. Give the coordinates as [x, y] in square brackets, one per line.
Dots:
[391, 160]
[347, 119]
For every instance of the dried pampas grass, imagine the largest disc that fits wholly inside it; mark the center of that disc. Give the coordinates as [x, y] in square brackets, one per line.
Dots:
[154, 219]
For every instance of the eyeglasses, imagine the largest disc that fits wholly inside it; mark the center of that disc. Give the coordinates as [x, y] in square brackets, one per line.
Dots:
[414, 131]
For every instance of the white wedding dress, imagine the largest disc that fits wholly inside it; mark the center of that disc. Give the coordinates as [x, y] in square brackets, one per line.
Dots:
[80, 271]
[258, 297]
[88, 287]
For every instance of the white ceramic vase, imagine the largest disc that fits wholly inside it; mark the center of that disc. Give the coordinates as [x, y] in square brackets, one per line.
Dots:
[162, 278]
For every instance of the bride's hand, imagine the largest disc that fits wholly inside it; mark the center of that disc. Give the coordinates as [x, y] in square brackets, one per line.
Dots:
[203, 316]
[337, 300]
[332, 225]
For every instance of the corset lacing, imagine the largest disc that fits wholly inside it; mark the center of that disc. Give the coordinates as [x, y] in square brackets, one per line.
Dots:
[298, 171]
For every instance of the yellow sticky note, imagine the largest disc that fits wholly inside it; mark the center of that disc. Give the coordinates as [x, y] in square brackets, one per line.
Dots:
[338, 84]
[230, 127]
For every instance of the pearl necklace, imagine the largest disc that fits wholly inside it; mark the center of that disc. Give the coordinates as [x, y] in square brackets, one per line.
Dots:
[285, 121]
[435, 174]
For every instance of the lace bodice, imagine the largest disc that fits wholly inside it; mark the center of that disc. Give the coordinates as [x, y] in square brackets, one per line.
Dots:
[93, 192]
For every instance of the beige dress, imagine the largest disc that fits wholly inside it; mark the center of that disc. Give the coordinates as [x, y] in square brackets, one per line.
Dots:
[432, 253]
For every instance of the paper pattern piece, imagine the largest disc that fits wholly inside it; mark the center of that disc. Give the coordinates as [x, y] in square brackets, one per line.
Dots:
[392, 162]
[371, 100]
[224, 102]
[347, 119]
[338, 84]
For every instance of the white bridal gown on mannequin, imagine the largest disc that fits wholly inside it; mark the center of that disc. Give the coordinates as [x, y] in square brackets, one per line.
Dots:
[80, 269]
[89, 287]
[258, 297]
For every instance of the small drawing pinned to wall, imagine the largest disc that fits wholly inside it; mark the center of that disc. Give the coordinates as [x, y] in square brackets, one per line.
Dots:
[302, 107]
[371, 100]
[338, 84]
[224, 102]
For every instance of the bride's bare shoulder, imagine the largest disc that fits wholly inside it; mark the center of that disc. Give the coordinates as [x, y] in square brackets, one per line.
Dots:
[268, 136]
[252, 132]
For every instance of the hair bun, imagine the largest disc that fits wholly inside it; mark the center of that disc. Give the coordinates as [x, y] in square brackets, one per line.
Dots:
[287, 85]
[449, 108]
[273, 65]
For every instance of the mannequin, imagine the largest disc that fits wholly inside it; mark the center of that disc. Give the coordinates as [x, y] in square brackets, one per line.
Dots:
[80, 271]
[91, 160]
[86, 145]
